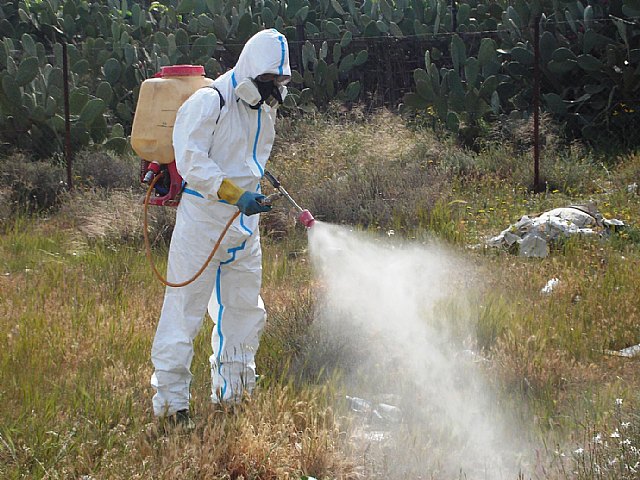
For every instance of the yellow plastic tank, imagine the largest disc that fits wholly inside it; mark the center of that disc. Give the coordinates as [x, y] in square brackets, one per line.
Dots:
[158, 102]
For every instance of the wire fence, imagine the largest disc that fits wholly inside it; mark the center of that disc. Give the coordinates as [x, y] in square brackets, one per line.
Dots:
[385, 79]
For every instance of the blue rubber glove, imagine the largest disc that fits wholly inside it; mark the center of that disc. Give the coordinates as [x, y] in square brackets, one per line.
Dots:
[247, 202]
[250, 203]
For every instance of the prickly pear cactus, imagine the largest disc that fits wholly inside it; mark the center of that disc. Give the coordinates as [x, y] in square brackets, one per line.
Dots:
[589, 63]
[479, 63]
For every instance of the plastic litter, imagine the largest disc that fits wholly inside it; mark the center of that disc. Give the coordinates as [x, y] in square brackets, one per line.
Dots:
[377, 421]
[359, 405]
[379, 412]
[550, 285]
[629, 352]
[613, 224]
[375, 436]
[471, 356]
[531, 236]
[534, 246]
[387, 413]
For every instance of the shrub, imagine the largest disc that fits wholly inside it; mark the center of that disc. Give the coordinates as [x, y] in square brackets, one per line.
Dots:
[105, 170]
[628, 173]
[348, 170]
[32, 186]
[375, 195]
[517, 134]
[116, 216]
[6, 206]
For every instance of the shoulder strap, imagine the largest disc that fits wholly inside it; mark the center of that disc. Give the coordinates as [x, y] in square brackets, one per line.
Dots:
[222, 102]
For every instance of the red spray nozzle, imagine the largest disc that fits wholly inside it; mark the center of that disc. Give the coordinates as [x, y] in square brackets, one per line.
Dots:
[306, 218]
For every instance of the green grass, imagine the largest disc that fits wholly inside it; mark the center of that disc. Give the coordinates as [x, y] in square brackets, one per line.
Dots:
[79, 306]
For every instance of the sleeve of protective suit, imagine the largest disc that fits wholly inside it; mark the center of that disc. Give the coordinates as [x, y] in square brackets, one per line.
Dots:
[192, 140]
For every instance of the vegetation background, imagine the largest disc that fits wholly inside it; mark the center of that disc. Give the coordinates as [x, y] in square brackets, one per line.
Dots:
[71, 70]
[79, 305]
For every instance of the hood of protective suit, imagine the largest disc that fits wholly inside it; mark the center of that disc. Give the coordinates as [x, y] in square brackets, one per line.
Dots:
[266, 52]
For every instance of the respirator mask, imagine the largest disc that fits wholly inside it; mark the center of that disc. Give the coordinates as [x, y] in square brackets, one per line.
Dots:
[262, 89]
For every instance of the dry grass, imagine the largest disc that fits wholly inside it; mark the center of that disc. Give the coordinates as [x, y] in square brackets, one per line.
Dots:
[79, 307]
[6, 206]
[29, 185]
[115, 216]
[278, 434]
[341, 169]
[311, 152]
[78, 325]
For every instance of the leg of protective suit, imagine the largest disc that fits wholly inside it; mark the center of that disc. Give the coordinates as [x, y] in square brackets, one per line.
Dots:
[239, 316]
[182, 314]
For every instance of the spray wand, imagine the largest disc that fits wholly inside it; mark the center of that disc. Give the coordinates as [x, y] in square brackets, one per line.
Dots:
[304, 216]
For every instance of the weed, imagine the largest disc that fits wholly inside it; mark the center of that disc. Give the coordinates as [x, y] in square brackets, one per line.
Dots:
[610, 452]
[31, 186]
[115, 217]
[79, 307]
[105, 170]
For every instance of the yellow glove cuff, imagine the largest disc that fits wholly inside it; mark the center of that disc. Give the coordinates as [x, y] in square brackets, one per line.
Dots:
[230, 192]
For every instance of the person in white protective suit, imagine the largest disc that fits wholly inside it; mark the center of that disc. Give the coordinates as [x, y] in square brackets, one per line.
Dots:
[222, 140]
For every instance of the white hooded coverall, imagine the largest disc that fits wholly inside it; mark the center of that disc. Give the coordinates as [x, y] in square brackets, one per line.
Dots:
[213, 143]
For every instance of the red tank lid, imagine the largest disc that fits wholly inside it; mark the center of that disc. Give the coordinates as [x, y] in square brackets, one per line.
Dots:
[182, 71]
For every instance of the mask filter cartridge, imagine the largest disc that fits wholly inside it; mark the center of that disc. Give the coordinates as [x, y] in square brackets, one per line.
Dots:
[248, 92]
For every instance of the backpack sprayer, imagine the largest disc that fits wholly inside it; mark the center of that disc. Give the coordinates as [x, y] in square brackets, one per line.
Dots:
[159, 99]
[305, 218]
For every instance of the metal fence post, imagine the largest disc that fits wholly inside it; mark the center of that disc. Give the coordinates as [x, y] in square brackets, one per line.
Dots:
[300, 37]
[536, 104]
[67, 116]
[454, 16]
